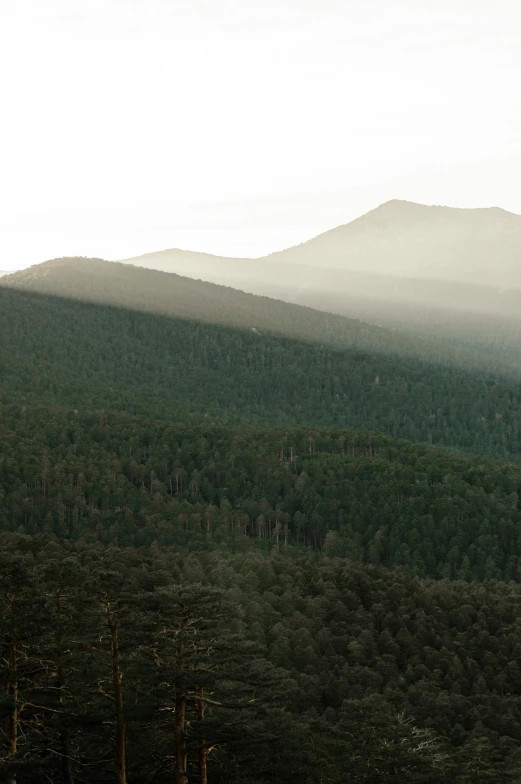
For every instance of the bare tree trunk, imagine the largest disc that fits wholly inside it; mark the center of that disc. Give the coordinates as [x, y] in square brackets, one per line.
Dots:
[121, 774]
[64, 734]
[203, 750]
[12, 720]
[181, 761]
[117, 676]
[181, 751]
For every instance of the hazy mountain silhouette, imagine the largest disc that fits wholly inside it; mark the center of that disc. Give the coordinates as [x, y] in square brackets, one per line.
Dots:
[257, 276]
[476, 246]
[478, 249]
[399, 238]
[61, 351]
[153, 291]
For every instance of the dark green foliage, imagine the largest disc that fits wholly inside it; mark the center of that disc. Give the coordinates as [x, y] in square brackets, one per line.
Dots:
[324, 670]
[388, 748]
[369, 497]
[151, 291]
[183, 592]
[95, 357]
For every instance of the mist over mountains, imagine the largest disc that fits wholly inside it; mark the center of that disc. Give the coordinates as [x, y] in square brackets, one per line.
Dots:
[400, 253]
[119, 338]
[363, 270]
[405, 239]
[153, 291]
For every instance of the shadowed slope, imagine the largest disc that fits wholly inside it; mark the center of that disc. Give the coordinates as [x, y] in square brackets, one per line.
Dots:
[92, 356]
[151, 291]
[400, 254]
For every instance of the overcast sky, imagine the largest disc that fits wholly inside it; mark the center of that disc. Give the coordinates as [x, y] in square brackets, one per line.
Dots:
[243, 126]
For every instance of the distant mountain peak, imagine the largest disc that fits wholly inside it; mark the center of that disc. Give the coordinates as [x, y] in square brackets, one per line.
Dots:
[393, 204]
[479, 245]
[402, 206]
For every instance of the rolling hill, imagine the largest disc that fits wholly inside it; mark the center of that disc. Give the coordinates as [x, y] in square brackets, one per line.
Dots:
[64, 351]
[402, 263]
[152, 291]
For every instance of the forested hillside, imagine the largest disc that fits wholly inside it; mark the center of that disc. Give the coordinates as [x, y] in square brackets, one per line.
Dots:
[260, 516]
[374, 499]
[220, 561]
[97, 357]
[493, 338]
[151, 291]
[251, 670]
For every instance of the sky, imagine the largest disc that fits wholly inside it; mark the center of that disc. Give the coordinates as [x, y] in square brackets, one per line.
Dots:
[240, 127]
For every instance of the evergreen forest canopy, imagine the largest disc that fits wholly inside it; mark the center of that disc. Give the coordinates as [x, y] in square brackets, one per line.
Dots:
[91, 356]
[115, 479]
[247, 542]
[247, 669]
[152, 291]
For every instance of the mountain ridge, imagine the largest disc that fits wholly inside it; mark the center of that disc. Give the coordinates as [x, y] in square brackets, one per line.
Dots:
[410, 266]
[398, 238]
[165, 293]
[63, 351]
[412, 303]
[409, 239]
[384, 209]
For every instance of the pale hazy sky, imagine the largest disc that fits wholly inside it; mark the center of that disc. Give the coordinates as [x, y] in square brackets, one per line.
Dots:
[243, 126]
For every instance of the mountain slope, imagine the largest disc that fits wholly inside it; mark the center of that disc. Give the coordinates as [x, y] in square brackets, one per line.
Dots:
[400, 239]
[256, 276]
[429, 262]
[91, 356]
[369, 497]
[112, 283]
[153, 291]
[304, 283]
[476, 246]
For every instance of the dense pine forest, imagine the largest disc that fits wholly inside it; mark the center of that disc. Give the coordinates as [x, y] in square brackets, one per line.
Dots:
[374, 499]
[231, 555]
[97, 357]
[131, 664]
[471, 342]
